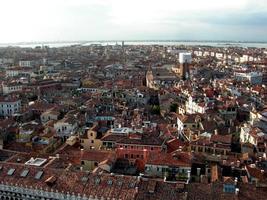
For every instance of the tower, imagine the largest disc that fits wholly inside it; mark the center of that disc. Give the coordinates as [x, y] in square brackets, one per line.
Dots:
[185, 60]
[184, 70]
[123, 53]
[149, 77]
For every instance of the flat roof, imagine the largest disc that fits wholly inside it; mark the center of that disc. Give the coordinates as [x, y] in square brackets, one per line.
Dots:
[36, 162]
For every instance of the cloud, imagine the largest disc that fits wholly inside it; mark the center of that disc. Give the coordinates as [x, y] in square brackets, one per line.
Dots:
[32, 20]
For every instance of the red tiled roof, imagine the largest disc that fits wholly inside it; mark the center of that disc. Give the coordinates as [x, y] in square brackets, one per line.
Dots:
[176, 160]
[98, 156]
[89, 184]
[226, 139]
[174, 144]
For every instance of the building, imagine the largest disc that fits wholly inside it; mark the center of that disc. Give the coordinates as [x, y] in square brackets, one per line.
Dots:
[11, 87]
[19, 71]
[66, 127]
[185, 59]
[229, 185]
[192, 121]
[176, 166]
[158, 77]
[20, 182]
[138, 147]
[9, 106]
[216, 144]
[93, 158]
[26, 63]
[251, 135]
[48, 115]
[193, 105]
[252, 77]
[8, 130]
[92, 138]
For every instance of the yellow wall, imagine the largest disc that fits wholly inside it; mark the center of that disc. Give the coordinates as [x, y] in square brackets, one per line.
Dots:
[87, 142]
[88, 165]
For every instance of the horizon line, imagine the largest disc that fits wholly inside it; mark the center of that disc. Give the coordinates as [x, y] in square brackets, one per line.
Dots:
[122, 40]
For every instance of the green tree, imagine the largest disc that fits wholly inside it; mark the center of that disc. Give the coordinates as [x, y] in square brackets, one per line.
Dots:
[155, 110]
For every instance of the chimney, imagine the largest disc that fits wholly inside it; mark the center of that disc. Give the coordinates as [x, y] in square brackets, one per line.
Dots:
[236, 191]
[188, 173]
[165, 178]
[136, 189]
[145, 154]
[198, 171]
[236, 181]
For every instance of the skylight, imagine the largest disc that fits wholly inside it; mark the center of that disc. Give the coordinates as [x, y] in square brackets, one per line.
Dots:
[24, 173]
[120, 183]
[84, 179]
[39, 175]
[132, 185]
[109, 182]
[11, 172]
[97, 180]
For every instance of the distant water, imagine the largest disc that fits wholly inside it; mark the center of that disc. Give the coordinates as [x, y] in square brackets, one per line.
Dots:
[166, 43]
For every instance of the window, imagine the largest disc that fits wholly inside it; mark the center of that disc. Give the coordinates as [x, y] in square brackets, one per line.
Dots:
[126, 155]
[92, 141]
[82, 162]
[132, 156]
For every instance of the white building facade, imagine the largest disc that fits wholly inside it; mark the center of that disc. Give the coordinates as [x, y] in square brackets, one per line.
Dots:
[9, 107]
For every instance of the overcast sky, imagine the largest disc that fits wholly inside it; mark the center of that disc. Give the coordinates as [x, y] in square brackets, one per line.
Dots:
[59, 20]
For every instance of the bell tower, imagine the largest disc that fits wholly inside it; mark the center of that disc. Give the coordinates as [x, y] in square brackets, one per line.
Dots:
[149, 77]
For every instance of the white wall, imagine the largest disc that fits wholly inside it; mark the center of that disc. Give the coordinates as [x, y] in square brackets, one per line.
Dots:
[9, 108]
[185, 57]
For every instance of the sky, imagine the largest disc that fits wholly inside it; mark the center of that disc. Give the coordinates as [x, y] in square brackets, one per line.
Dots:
[73, 20]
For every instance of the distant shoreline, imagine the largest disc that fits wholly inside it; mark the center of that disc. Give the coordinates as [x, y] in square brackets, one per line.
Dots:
[212, 43]
[118, 41]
